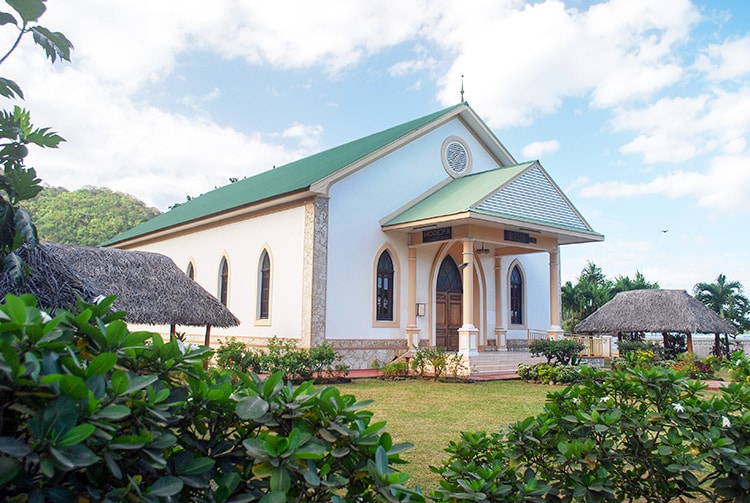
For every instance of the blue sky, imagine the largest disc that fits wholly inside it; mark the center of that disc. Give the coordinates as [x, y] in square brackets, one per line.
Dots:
[639, 110]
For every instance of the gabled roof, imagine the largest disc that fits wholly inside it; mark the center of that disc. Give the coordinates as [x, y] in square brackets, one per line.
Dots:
[523, 193]
[290, 178]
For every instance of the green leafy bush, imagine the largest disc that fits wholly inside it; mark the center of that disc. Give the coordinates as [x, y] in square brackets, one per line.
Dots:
[632, 435]
[558, 352]
[628, 346]
[544, 373]
[90, 411]
[739, 367]
[395, 370]
[282, 355]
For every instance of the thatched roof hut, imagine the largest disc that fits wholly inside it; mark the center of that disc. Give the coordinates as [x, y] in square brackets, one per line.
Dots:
[149, 286]
[658, 311]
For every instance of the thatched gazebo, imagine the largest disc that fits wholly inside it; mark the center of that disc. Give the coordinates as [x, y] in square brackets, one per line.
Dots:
[656, 311]
[149, 286]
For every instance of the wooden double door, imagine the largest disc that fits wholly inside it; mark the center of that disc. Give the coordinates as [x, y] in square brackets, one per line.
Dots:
[448, 314]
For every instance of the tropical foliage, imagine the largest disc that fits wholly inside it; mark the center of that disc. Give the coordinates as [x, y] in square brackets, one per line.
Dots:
[319, 362]
[625, 435]
[17, 182]
[592, 290]
[87, 216]
[90, 411]
[727, 299]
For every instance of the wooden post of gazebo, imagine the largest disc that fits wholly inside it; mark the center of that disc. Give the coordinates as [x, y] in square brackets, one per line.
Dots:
[207, 343]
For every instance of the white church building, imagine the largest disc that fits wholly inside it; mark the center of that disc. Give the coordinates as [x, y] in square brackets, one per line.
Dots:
[428, 233]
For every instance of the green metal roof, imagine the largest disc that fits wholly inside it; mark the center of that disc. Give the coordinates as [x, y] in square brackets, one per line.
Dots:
[521, 193]
[289, 178]
[459, 195]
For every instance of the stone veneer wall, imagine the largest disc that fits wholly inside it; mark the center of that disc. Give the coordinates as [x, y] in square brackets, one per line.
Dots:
[315, 272]
[360, 353]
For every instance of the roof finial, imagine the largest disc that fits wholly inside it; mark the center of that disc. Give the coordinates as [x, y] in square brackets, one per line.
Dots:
[462, 89]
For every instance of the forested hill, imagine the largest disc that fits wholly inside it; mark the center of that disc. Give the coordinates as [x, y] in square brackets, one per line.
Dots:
[87, 216]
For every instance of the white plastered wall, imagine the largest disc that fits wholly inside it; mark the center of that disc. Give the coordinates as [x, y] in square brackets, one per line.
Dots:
[357, 204]
[242, 242]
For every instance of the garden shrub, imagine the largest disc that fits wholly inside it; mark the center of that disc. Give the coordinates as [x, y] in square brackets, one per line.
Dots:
[436, 359]
[544, 373]
[90, 411]
[395, 370]
[528, 372]
[559, 352]
[693, 367]
[626, 435]
[628, 346]
[282, 355]
[739, 367]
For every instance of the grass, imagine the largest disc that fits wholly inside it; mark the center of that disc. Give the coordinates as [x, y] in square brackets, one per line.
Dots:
[432, 414]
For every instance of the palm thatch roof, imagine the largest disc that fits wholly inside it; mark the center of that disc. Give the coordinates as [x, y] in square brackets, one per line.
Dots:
[149, 286]
[654, 310]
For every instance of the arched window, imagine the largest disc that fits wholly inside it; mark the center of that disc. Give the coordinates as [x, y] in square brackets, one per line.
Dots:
[385, 286]
[223, 280]
[264, 285]
[449, 277]
[516, 296]
[190, 271]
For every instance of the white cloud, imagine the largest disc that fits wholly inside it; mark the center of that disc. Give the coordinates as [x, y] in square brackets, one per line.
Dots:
[537, 149]
[726, 61]
[678, 129]
[723, 187]
[523, 60]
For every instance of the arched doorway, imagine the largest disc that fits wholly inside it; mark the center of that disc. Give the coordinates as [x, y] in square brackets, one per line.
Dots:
[448, 307]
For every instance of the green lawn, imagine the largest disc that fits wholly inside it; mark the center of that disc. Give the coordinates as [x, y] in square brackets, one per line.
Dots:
[430, 414]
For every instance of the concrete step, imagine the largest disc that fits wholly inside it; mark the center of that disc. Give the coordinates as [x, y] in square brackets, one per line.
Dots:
[501, 362]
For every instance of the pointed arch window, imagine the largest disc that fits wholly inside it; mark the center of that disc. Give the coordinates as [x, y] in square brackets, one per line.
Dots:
[264, 285]
[190, 271]
[223, 281]
[385, 286]
[516, 296]
[449, 276]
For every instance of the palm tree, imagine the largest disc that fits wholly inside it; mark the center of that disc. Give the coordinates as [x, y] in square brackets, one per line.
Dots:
[725, 298]
[625, 283]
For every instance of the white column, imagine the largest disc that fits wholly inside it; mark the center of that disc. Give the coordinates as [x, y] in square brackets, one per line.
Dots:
[468, 333]
[412, 331]
[555, 330]
[501, 334]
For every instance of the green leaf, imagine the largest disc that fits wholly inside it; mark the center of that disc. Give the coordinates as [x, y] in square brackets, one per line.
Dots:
[8, 88]
[280, 480]
[77, 435]
[251, 407]
[197, 465]
[101, 364]
[120, 382]
[14, 447]
[381, 461]
[165, 486]
[74, 386]
[25, 228]
[140, 382]
[9, 468]
[6, 18]
[29, 10]
[55, 44]
[14, 266]
[273, 384]
[316, 451]
[274, 497]
[79, 455]
[112, 412]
